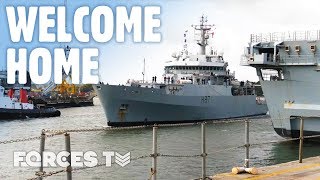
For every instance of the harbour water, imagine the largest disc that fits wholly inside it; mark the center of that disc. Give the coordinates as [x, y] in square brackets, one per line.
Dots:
[171, 140]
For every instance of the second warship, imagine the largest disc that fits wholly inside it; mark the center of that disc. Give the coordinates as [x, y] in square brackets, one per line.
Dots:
[287, 64]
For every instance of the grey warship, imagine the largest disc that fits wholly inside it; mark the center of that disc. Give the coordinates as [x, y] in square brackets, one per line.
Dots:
[287, 64]
[195, 87]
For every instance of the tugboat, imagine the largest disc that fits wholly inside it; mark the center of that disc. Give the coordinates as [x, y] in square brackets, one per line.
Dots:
[12, 107]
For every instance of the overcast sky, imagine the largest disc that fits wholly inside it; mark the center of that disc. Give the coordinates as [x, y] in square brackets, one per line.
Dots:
[234, 21]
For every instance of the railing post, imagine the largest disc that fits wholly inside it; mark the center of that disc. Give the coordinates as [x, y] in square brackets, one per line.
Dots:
[203, 150]
[68, 149]
[301, 140]
[42, 145]
[247, 145]
[155, 153]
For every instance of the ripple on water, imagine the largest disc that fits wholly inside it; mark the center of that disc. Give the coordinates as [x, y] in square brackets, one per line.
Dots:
[172, 140]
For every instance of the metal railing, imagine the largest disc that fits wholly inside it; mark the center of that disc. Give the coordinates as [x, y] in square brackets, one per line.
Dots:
[285, 60]
[299, 59]
[155, 154]
[286, 36]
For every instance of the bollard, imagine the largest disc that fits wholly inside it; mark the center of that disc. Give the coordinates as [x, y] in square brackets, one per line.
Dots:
[155, 153]
[42, 145]
[203, 150]
[247, 145]
[68, 149]
[238, 170]
[301, 140]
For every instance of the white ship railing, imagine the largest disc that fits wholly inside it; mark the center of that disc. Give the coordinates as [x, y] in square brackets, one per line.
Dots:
[299, 59]
[286, 36]
[284, 60]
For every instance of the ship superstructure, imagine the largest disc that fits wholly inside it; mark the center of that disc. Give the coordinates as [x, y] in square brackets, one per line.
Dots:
[195, 87]
[288, 68]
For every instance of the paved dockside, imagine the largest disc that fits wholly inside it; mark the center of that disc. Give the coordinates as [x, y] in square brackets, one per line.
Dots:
[308, 169]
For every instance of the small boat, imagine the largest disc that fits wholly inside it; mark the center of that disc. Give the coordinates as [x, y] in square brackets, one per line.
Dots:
[12, 107]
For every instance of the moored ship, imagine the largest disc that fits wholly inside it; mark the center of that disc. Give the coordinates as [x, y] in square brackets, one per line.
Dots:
[195, 87]
[12, 107]
[288, 68]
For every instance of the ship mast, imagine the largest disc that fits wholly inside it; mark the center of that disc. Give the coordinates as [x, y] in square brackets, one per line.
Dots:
[204, 29]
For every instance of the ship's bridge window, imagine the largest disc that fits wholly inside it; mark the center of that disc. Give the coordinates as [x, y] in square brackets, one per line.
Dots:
[266, 50]
[201, 67]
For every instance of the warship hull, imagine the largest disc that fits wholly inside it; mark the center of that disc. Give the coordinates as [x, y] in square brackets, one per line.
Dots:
[129, 105]
[288, 100]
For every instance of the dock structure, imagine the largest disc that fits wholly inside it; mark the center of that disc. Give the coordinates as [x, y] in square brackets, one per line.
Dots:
[309, 169]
